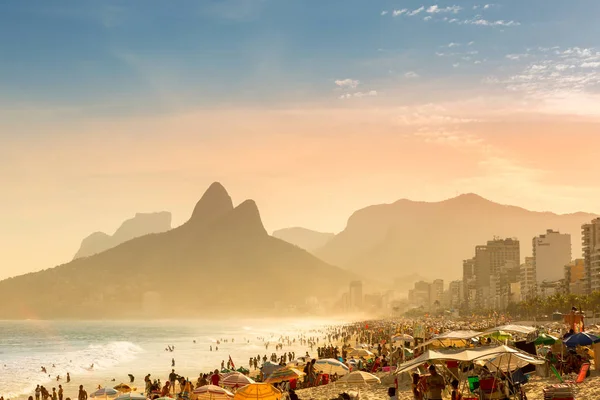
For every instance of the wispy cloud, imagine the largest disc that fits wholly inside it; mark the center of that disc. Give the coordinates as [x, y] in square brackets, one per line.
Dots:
[427, 18]
[411, 75]
[416, 11]
[397, 13]
[484, 22]
[384, 12]
[370, 93]
[347, 83]
[435, 9]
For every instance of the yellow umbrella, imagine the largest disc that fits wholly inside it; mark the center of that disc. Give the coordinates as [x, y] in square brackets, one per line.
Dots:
[125, 388]
[262, 391]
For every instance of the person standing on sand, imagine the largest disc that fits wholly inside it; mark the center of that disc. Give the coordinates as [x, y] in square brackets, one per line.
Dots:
[54, 395]
[68, 378]
[435, 384]
[60, 392]
[82, 395]
[172, 379]
[37, 392]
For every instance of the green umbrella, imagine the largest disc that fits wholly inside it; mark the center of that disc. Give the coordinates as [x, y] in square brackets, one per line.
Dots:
[545, 339]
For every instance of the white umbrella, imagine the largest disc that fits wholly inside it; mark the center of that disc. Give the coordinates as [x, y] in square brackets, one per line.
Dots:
[212, 392]
[131, 396]
[358, 377]
[361, 353]
[331, 366]
[105, 392]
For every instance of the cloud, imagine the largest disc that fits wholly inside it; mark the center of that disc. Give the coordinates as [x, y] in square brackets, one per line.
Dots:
[370, 93]
[415, 12]
[427, 18]
[594, 64]
[484, 22]
[411, 75]
[453, 44]
[471, 43]
[384, 12]
[516, 57]
[435, 9]
[397, 13]
[347, 83]
[456, 65]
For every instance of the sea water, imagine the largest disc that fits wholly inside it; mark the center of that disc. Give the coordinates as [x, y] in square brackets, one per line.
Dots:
[119, 348]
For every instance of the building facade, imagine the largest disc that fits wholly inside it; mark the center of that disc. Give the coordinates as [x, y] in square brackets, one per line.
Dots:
[591, 255]
[551, 252]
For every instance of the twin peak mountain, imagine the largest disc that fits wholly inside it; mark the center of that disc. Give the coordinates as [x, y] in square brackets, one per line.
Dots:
[221, 261]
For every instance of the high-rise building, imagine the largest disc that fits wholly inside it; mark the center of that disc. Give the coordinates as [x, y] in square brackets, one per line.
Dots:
[436, 293]
[494, 263]
[575, 277]
[551, 252]
[455, 295]
[469, 282]
[527, 279]
[356, 295]
[591, 255]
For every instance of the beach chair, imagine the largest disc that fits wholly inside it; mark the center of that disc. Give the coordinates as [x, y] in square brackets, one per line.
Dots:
[583, 371]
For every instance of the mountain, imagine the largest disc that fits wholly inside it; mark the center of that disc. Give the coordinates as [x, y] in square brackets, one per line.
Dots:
[140, 225]
[221, 262]
[393, 240]
[304, 238]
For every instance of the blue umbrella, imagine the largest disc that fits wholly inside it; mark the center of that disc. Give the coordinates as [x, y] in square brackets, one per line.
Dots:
[581, 339]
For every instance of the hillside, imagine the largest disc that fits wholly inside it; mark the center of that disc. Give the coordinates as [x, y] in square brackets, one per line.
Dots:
[304, 238]
[392, 240]
[221, 262]
[140, 225]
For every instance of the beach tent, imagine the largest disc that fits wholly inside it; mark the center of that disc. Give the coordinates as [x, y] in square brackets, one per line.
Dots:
[528, 331]
[452, 338]
[467, 355]
[268, 368]
[212, 392]
[262, 391]
[508, 362]
[361, 353]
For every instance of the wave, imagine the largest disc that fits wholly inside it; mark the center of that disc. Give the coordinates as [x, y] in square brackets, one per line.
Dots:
[20, 374]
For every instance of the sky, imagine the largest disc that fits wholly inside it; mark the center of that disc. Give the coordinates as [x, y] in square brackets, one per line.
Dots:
[314, 109]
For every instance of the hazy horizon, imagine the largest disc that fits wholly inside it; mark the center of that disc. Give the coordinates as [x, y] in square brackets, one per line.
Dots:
[109, 109]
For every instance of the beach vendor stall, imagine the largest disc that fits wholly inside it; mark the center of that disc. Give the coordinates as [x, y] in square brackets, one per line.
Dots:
[497, 367]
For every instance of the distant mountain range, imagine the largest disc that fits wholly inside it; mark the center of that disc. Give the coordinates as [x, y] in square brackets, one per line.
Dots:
[140, 225]
[221, 262]
[432, 239]
[304, 238]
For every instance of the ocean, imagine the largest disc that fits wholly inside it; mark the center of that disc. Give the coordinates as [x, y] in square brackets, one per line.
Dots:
[119, 348]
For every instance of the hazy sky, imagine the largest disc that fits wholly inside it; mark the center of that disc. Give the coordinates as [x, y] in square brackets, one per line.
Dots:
[312, 108]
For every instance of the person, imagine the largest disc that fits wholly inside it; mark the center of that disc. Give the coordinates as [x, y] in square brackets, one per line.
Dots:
[416, 387]
[172, 379]
[54, 394]
[392, 393]
[37, 392]
[82, 395]
[60, 392]
[166, 389]
[172, 362]
[131, 378]
[455, 395]
[215, 378]
[68, 378]
[435, 384]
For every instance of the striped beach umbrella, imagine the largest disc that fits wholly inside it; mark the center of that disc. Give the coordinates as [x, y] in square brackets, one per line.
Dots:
[284, 374]
[105, 393]
[331, 366]
[236, 380]
[212, 392]
[358, 377]
[258, 391]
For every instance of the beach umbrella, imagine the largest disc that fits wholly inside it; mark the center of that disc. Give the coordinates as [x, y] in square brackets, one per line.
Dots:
[243, 370]
[545, 339]
[500, 336]
[258, 391]
[105, 392]
[284, 374]
[402, 337]
[505, 363]
[361, 353]
[131, 396]
[358, 377]
[212, 392]
[124, 388]
[581, 339]
[268, 368]
[296, 363]
[236, 380]
[331, 366]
